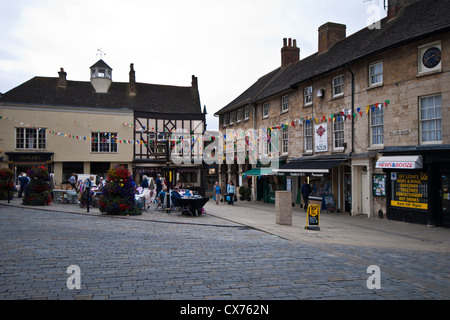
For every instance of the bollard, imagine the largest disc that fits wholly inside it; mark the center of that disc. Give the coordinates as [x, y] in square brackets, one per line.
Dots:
[283, 207]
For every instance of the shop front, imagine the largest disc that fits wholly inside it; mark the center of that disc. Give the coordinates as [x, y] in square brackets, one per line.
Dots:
[326, 178]
[417, 186]
[23, 161]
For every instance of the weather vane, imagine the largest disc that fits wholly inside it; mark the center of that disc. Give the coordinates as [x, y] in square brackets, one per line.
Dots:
[101, 53]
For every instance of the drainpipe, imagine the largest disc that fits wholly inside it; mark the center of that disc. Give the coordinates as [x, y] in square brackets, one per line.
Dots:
[353, 109]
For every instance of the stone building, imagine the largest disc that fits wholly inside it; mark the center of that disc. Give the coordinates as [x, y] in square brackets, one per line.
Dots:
[363, 120]
[88, 126]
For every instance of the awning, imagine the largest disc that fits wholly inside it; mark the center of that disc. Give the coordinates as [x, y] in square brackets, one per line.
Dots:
[258, 172]
[310, 167]
[400, 162]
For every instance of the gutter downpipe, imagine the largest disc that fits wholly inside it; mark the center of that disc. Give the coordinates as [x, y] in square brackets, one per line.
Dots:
[353, 109]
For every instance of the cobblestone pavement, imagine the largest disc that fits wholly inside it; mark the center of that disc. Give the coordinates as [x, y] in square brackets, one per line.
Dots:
[194, 259]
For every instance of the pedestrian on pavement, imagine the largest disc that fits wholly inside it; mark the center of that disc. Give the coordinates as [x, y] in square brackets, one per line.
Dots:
[231, 190]
[306, 191]
[217, 192]
[23, 181]
[73, 180]
[158, 183]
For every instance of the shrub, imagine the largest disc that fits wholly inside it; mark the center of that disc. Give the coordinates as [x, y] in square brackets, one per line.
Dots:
[118, 194]
[6, 183]
[37, 192]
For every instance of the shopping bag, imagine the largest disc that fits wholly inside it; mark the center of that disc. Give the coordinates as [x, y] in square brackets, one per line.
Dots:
[228, 199]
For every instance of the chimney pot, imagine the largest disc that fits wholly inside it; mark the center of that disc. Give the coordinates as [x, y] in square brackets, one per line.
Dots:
[289, 54]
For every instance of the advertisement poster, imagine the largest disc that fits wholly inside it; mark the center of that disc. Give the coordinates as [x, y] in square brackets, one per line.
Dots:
[321, 138]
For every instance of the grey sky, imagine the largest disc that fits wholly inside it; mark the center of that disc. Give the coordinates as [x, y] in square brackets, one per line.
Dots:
[228, 44]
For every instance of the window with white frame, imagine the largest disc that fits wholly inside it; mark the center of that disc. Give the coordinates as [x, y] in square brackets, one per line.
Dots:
[238, 115]
[285, 103]
[376, 73]
[265, 110]
[231, 117]
[338, 86]
[308, 96]
[338, 132]
[285, 140]
[225, 120]
[31, 138]
[246, 113]
[308, 136]
[377, 125]
[103, 142]
[431, 119]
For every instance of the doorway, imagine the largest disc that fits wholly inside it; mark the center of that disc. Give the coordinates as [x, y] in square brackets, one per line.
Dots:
[445, 199]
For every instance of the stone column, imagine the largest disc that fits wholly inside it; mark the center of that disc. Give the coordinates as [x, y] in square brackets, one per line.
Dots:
[283, 207]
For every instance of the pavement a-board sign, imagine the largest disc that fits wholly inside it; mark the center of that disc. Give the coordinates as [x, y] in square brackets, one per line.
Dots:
[312, 217]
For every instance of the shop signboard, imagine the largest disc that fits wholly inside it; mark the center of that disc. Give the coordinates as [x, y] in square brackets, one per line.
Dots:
[312, 217]
[410, 190]
[321, 138]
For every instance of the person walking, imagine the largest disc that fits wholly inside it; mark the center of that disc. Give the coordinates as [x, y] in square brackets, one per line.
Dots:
[231, 190]
[23, 181]
[217, 192]
[306, 191]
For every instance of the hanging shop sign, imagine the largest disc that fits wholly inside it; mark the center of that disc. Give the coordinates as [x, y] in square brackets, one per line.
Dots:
[321, 138]
[410, 190]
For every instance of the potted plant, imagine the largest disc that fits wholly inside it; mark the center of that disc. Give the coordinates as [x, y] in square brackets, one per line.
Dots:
[6, 184]
[242, 193]
[248, 193]
[37, 192]
[118, 194]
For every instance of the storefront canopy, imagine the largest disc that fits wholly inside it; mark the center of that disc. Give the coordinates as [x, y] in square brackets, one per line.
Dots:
[296, 168]
[258, 172]
[400, 162]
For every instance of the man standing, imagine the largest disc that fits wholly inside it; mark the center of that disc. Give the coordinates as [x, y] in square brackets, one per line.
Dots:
[306, 191]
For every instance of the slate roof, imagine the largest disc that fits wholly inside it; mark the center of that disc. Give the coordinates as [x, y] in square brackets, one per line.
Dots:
[149, 98]
[416, 21]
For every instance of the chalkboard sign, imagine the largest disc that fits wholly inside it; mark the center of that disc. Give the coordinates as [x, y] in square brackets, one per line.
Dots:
[379, 185]
[328, 203]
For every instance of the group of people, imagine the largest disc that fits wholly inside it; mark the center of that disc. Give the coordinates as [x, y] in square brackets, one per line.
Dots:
[230, 193]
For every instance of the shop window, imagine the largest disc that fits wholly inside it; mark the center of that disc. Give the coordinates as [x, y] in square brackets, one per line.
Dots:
[377, 125]
[31, 138]
[431, 119]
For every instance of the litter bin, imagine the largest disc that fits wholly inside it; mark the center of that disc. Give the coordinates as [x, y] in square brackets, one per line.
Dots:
[283, 207]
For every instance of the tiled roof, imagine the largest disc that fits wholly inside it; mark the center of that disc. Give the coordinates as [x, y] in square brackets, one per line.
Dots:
[149, 97]
[413, 22]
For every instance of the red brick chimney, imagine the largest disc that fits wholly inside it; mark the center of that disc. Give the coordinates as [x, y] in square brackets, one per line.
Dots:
[133, 90]
[290, 53]
[329, 34]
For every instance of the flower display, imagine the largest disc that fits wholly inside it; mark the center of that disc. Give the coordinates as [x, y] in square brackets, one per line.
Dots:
[6, 183]
[37, 191]
[118, 194]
